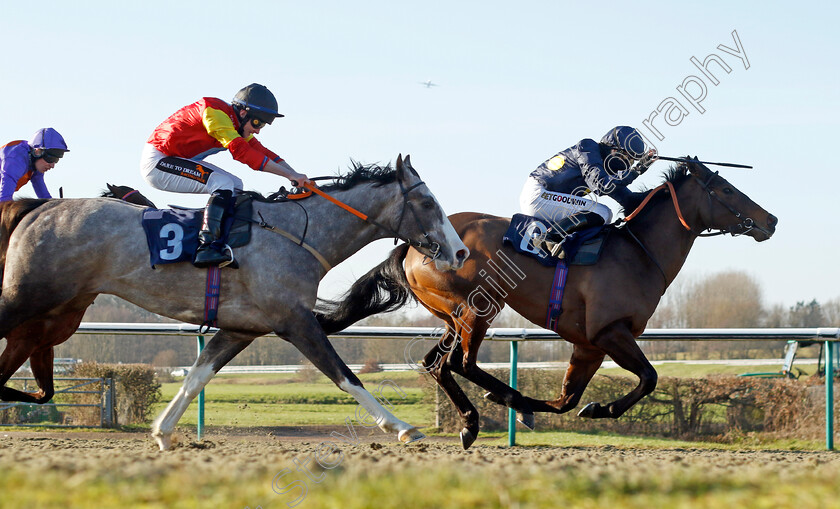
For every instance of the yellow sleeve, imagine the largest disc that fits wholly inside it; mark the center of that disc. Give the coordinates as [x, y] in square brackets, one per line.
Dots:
[219, 126]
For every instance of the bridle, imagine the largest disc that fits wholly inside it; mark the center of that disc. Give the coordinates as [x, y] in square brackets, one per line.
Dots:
[432, 248]
[745, 226]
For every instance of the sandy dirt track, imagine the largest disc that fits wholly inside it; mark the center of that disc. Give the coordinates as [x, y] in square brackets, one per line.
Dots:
[257, 457]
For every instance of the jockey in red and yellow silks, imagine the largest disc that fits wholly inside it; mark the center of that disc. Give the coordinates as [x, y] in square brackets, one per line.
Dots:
[173, 158]
[206, 127]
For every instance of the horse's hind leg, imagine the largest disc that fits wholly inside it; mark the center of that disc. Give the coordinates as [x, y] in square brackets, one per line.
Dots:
[617, 342]
[41, 363]
[436, 362]
[470, 329]
[21, 304]
[13, 357]
[307, 336]
[223, 347]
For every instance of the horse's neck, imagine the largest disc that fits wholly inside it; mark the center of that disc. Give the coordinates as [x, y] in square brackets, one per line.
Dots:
[338, 234]
[664, 236]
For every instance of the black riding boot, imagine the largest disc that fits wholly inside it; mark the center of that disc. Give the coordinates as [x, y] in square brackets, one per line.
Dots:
[211, 251]
[559, 231]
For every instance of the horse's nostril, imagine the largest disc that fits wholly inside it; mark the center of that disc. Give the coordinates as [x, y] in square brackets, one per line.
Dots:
[772, 221]
[462, 254]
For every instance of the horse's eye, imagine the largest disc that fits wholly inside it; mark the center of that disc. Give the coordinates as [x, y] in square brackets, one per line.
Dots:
[728, 190]
[428, 204]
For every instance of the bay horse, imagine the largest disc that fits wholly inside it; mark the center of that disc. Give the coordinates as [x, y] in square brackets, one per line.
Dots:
[35, 339]
[605, 307]
[91, 246]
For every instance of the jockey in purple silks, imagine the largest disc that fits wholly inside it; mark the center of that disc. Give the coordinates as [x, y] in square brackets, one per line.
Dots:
[22, 162]
[557, 190]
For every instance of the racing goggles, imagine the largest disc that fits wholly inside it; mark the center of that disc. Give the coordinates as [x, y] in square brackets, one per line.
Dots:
[257, 123]
[52, 156]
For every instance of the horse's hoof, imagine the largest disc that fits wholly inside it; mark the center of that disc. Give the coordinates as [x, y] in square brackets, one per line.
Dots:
[163, 441]
[495, 398]
[527, 420]
[467, 438]
[407, 436]
[590, 410]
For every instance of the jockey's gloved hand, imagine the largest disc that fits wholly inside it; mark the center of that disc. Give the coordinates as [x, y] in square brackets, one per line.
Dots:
[645, 162]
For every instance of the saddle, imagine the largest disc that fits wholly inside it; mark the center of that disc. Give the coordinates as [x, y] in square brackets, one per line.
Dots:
[172, 234]
[583, 247]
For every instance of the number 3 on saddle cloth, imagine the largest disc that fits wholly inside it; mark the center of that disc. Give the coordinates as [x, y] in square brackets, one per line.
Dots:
[172, 234]
[582, 248]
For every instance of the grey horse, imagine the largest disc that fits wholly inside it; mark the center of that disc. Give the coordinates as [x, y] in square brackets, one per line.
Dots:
[63, 253]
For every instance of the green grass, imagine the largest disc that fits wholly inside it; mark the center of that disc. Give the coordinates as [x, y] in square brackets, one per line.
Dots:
[701, 370]
[279, 400]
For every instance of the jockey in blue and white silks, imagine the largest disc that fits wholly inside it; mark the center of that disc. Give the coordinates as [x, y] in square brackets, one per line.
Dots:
[560, 189]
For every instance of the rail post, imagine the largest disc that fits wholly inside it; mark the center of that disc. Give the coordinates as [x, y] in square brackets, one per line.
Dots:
[829, 395]
[200, 423]
[514, 359]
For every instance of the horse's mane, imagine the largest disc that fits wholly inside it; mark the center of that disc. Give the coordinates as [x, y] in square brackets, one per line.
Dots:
[361, 173]
[358, 174]
[676, 175]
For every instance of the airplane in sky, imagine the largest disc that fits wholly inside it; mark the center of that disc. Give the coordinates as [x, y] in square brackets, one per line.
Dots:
[428, 84]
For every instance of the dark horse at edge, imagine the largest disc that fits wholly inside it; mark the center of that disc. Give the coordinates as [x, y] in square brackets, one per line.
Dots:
[36, 339]
[606, 306]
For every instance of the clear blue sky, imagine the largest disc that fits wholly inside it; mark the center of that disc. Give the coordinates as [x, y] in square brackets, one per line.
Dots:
[518, 82]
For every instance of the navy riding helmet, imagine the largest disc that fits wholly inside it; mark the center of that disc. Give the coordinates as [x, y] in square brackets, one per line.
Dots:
[258, 101]
[626, 139]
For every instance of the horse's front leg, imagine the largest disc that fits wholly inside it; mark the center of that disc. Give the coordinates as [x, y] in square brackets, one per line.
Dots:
[618, 342]
[304, 332]
[583, 365]
[223, 347]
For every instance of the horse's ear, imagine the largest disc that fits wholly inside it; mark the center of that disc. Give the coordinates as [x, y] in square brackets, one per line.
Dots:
[408, 160]
[696, 168]
[401, 167]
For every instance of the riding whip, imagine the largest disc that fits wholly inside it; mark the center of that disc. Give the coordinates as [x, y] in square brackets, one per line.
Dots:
[684, 160]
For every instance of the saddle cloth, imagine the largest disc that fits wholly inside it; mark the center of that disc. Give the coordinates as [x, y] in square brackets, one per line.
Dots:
[581, 247]
[172, 234]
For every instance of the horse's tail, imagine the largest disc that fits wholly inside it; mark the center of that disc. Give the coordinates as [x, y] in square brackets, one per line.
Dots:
[383, 288]
[11, 213]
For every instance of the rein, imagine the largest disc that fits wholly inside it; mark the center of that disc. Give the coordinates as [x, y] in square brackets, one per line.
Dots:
[432, 247]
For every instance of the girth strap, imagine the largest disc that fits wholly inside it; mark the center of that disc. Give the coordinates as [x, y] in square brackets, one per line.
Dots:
[211, 299]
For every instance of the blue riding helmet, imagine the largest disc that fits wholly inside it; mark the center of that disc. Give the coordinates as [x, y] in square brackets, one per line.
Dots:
[258, 101]
[48, 139]
[626, 139]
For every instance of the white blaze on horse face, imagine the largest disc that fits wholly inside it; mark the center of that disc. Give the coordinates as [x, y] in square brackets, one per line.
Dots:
[383, 418]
